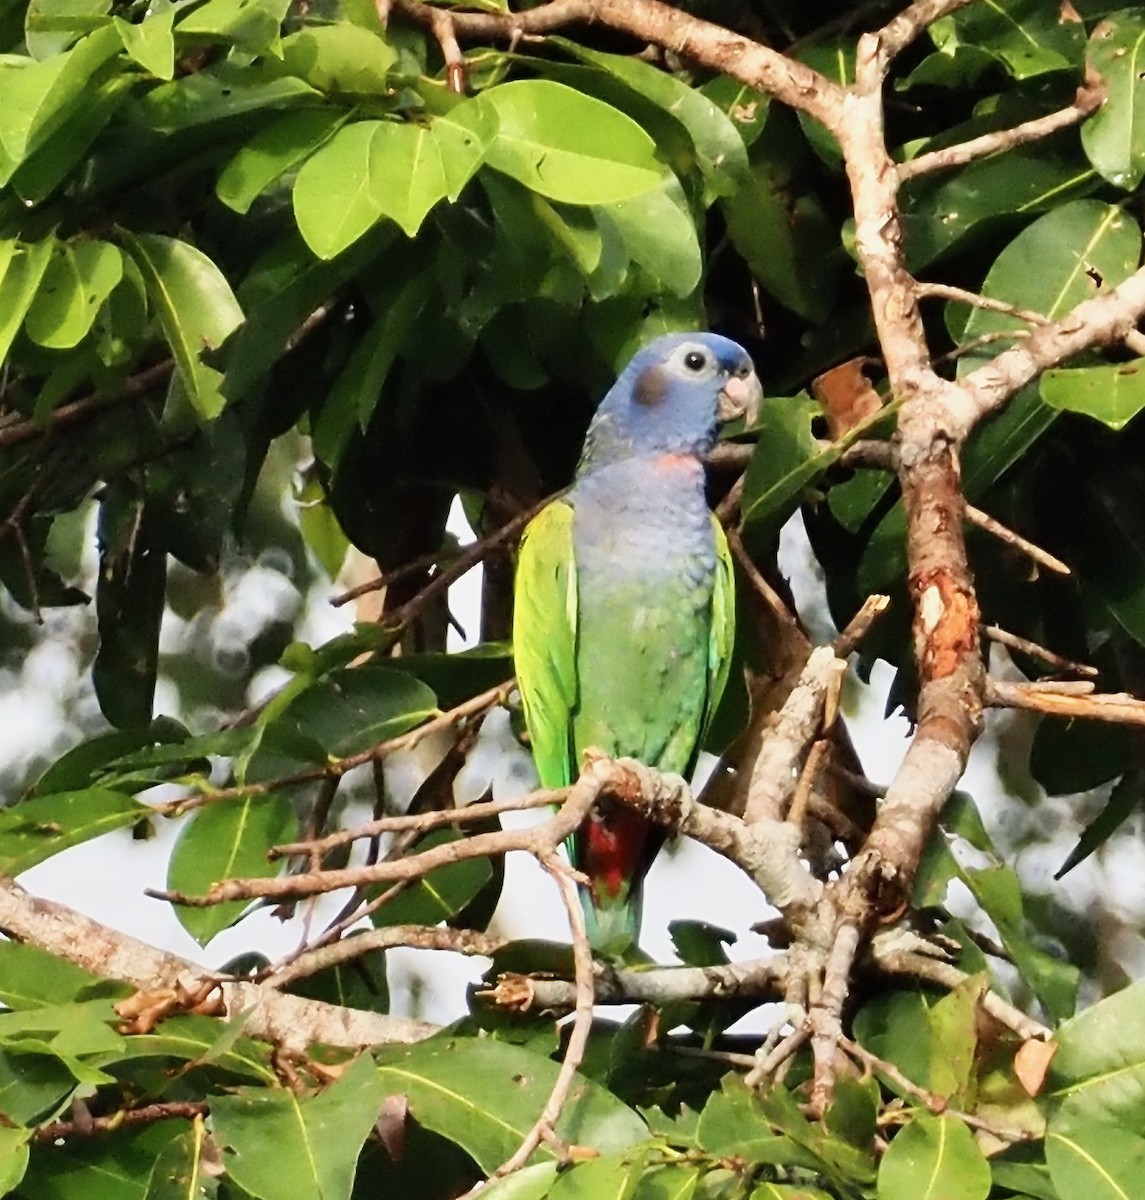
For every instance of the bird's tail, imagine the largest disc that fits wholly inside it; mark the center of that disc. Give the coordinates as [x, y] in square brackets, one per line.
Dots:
[614, 926]
[614, 849]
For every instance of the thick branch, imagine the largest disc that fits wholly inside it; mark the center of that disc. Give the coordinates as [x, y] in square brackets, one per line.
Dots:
[1104, 320]
[717, 48]
[291, 1021]
[763, 978]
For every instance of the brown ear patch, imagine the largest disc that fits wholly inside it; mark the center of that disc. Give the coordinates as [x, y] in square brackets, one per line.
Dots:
[651, 387]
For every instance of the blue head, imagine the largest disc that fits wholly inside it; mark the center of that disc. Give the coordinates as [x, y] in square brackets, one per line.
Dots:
[670, 398]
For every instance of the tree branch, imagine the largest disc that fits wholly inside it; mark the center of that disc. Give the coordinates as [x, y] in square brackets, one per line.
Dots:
[292, 1022]
[1089, 98]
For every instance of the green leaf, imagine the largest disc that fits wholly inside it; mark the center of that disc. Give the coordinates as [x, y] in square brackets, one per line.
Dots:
[340, 58]
[151, 43]
[1071, 254]
[720, 151]
[1098, 1073]
[13, 1157]
[529, 1183]
[31, 977]
[277, 1143]
[32, 1085]
[1027, 37]
[279, 147]
[569, 146]
[784, 232]
[673, 1181]
[334, 196]
[51, 26]
[351, 711]
[225, 841]
[202, 1040]
[54, 159]
[785, 460]
[733, 1125]
[610, 1177]
[283, 288]
[1074, 252]
[934, 1158]
[1113, 394]
[1070, 756]
[114, 1166]
[1053, 980]
[442, 893]
[954, 1024]
[895, 1026]
[129, 601]
[22, 268]
[185, 1168]
[216, 95]
[788, 1191]
[251, 24]
[1114, 136]
[360, 983]
[853, 1112]
[485, 1096]
[659, 234]
[412, 167]
[196, 307]
[1097, 1161]
[40, 96]
[78, 280]
[1125, 799]
[356, 390]
[941, 209]
[35, 830]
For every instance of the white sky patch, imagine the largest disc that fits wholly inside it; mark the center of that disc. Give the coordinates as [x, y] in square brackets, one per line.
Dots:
[465, 594]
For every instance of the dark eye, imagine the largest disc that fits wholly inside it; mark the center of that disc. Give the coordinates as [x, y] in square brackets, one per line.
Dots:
[695, 361]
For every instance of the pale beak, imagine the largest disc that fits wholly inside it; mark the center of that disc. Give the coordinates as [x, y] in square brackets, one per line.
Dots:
[741, 396]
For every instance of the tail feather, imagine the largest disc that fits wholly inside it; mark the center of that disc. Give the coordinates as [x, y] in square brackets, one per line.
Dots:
[614, 849]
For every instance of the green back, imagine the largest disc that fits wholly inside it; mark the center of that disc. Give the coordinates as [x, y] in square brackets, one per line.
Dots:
[623, 713]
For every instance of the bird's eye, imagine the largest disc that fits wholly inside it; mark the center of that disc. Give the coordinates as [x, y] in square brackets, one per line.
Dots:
[695, 361]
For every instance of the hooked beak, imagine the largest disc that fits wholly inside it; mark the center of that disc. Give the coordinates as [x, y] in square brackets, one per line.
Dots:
[740, 397]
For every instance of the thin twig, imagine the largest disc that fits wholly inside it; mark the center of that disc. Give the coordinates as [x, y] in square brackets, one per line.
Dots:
[148, 1114]
[944, 291]
[946, 975]
[935, 1103]
[420, 937]
[859, 625]
[1024, 646]
[1117, 707]
[1088, 99]
[422, 822]
[808, 778]
[544, 1128]
[1042, 557]
[441, 23]
[341, 766]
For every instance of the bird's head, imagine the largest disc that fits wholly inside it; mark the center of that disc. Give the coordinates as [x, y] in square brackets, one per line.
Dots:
[670, 398]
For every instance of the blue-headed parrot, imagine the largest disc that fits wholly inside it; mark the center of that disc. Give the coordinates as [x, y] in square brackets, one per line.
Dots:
[624, 611]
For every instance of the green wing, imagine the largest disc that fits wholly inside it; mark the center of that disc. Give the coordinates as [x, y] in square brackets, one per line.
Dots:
[723, 632]
[544, 640]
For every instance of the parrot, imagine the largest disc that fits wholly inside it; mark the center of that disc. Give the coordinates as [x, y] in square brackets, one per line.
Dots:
[624, 604]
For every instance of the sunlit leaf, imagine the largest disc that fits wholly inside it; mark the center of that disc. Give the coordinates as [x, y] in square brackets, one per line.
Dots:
[934, 1158]
[35, 830]
[569, 146]
[1114, 136]
[197, 309]
[277, 1142]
